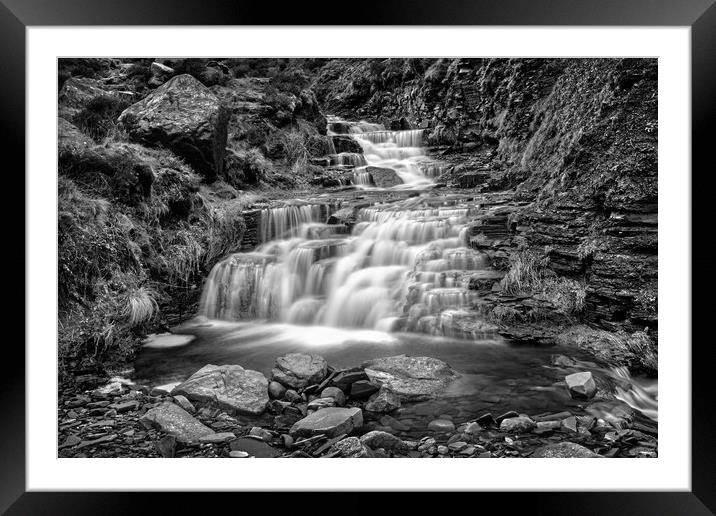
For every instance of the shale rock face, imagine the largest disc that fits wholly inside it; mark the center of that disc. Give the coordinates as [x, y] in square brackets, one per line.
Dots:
[411, 378]
[229, 387]
[185, 116]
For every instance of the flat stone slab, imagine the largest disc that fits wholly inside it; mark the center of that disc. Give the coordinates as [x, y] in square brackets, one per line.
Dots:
[298, 370]
[564, 450]
[411, 378]
[228, 387]
[330, 421]
[174, 420]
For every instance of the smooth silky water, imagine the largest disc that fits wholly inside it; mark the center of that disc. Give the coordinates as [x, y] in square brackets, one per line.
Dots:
[394, 282]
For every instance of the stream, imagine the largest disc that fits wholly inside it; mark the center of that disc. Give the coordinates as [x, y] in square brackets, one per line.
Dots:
[394, 278]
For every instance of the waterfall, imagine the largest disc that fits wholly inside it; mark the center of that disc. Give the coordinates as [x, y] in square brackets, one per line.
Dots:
[404, 265]
[400, 151]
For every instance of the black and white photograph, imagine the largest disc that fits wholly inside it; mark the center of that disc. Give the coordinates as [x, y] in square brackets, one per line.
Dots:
[380, 257]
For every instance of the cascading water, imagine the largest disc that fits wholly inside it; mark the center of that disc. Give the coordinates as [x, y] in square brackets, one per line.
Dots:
[402, 267]
[400, 151]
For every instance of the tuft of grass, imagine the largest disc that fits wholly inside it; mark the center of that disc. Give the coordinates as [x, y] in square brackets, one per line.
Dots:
[529, 274]
[99, 117]
[140, 307]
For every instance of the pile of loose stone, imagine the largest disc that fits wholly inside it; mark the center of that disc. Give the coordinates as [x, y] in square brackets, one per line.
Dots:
[309, 409]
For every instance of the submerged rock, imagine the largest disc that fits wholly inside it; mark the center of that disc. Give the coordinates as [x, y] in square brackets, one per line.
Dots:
[441, 425]
[298, 370]
[564, 450]
[330, 421]
[176, 421]
[411, 378]
[228, 387]
[185, 116]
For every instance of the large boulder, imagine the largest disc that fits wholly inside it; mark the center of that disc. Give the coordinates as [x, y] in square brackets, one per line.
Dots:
[185, 116]
[383, 177]
[298, 370]
[411, 378]
[176, 421]
[331, 421]
[564, 450]
[228, 387]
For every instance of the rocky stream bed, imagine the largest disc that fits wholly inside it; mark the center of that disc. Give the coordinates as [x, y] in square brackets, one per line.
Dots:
[310, 409]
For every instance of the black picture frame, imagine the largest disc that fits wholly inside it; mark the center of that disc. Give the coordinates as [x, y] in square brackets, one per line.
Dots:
[699, 15]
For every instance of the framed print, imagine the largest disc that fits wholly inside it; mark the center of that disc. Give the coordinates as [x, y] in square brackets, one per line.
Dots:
[465, 233]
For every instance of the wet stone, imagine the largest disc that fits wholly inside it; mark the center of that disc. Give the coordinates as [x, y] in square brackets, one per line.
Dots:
[520, 424]
[441, 425]
[581, 385]
[218, 438]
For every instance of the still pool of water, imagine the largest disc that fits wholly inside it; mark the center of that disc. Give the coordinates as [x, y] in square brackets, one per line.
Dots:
[497, 375]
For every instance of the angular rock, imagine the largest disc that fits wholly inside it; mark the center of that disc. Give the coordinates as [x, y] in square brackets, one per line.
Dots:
[350, 447]
[166, 446]
[218, 438]
[581, 385]
[174, 420]
[564, 450]
[292, 396]
[411, 378]
[569, 424]
[185, 116]
[336, 394]
[228, 387]
[184, 403]
[124, 406]
[330, 421]
[345, 379]
[378, 439]
[321, 403]
[298, 370]
[261, 433]
[473, 428]
[385, 400]
[363, 389]
[519, 424]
